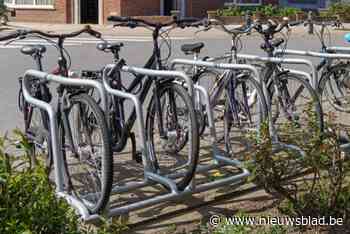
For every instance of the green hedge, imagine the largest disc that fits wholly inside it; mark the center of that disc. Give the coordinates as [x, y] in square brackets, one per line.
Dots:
[341, 9]
[267, 10]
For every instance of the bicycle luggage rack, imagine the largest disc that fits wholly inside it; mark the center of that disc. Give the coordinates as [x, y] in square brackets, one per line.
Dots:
[151, 178]
[208, 63]
[317, 55]
[57, 154]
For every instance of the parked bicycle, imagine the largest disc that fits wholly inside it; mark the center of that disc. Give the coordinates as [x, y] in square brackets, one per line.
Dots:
[83, 130]
[171, 125]
[292, 99]
[230, 94]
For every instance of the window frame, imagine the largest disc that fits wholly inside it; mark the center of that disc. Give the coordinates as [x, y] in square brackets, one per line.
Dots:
[234, 2]
[13, 5]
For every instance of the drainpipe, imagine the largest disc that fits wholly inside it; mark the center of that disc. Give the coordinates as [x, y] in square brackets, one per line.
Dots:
[161, 7]
[77, 11]
[100, 12]
[183, 8]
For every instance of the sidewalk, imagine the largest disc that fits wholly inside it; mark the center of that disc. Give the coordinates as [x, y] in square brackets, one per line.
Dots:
[108, 30]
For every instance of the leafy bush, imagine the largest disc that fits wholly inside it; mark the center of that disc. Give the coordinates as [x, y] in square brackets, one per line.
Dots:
[315, 185]
[28, 203]
[27, 200]
[341, 9]
[266, 10]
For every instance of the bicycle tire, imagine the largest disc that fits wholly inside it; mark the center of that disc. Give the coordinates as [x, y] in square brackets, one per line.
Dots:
[191, 133]
[106, 157]
[36, 123]
[311, 108]
[325, 86]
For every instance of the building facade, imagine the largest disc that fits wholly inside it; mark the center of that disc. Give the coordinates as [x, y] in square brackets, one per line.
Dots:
[96, 11]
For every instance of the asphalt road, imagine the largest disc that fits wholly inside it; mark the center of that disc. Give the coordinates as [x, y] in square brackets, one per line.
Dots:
[136, 51]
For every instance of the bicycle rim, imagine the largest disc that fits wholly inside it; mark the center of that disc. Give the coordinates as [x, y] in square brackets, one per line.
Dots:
[176, 151]
[88, 162]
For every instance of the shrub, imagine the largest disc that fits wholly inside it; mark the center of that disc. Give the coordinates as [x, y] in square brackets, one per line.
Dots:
[315, 185]
[28, 203]
[341, 9]
[3, 13]
[27, 200]
[267, 10]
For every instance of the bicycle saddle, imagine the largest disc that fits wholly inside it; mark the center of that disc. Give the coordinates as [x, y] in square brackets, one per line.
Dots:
[192, 48]
[33, 49]
[103, 46]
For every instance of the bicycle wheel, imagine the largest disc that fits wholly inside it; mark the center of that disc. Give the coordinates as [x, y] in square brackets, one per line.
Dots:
[334, 85]
[245, 112]
[296, 110]
[36, 125]
[38, 134]
[176, 150]
[334, 89]
[88, 157]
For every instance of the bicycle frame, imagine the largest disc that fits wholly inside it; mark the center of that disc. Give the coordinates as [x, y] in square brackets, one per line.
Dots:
[154, 62]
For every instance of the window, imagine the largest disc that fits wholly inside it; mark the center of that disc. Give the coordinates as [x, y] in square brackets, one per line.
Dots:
[41, 4]
[243, 2]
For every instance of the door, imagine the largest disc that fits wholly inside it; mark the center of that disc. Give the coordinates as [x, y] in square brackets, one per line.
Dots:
[168, 7]
[89, 11]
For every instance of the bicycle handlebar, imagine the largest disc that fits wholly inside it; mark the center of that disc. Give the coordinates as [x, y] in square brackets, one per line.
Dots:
[19, 33]
[134, 22]
[10, 36]
[272, 29]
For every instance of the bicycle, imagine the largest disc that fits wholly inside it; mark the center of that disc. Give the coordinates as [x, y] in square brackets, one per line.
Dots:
[171, 125]
[291, 98]
[83, 130]
[229, 94]
[333, 85]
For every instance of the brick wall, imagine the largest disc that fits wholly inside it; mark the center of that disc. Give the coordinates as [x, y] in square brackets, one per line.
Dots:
[140, 7]
[60, 14]
[199, 8]
[111, 7]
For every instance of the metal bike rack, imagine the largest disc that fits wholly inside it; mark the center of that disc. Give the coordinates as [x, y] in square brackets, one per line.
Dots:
[229, 66]
[338, 49]
[57, 154]
[340, 53]
[317, 55]
[305, 62]
[220, 158]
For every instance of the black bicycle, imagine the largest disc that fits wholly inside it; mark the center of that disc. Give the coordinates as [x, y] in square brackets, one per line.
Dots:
[83, 129]
[171, 125]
